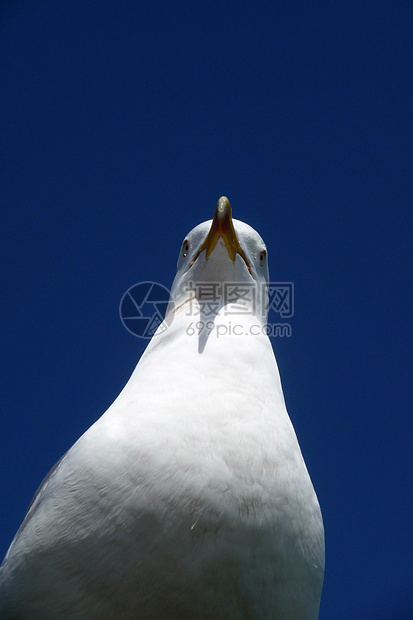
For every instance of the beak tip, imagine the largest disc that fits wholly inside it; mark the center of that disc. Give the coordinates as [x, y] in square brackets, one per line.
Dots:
[223, 205]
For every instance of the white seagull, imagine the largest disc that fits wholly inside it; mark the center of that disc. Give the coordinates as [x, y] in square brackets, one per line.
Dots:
[189, 498]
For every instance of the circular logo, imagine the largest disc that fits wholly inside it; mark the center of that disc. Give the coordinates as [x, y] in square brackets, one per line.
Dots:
[143, 307]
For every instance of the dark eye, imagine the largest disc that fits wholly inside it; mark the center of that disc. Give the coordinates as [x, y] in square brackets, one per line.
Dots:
[185, 248]
[263, 256]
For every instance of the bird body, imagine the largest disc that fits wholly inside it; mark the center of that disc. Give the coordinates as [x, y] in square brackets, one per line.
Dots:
[189, 498]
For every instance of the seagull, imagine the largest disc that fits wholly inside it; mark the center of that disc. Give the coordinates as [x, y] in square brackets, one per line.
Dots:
[189, 498]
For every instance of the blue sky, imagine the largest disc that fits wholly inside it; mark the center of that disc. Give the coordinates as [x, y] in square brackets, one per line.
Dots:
[122, 124]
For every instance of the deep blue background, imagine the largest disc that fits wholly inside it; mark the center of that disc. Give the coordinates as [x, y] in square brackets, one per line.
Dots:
[121, 125]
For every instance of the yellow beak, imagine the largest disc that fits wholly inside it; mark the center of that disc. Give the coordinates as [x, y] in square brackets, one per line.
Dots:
[223, 226]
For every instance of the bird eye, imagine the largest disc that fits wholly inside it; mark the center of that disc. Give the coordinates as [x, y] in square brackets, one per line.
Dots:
[185, 248]
[263, 256]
